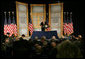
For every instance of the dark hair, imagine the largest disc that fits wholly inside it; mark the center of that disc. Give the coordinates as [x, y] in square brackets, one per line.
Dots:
[23, 35]
[8, 33]
[43, 38]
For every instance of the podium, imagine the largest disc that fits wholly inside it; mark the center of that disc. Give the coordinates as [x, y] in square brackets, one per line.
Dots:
[47, 34]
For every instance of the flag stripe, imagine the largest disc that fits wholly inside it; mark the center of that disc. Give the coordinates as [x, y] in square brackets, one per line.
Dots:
[31, 28]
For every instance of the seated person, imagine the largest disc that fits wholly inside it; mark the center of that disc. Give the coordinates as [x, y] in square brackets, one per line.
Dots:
[36, 40]
[54, 39]
[37, 51]
[53, 50]
[23, 37]
[43, 39]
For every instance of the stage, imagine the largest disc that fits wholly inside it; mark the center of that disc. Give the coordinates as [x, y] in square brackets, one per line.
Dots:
[47, 34]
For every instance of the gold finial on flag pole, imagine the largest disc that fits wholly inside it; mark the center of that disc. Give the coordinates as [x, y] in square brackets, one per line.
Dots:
[5, 14]
[71, 16]
[9, 13]
[70, 12]
[13, 13]
[64, 12]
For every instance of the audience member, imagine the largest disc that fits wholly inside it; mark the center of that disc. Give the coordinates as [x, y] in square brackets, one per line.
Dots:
[53, 50]
[68, 50]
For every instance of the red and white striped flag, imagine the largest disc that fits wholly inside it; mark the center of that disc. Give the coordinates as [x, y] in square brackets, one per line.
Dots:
[15, 30]
[30, 27]
[70, 28]
[14, 27]
[65, 25]
[10, 29]
[65, 28]
[70, 25]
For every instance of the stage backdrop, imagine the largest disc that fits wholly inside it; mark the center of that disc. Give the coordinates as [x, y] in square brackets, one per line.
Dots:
[56, 17]
[38, 14]
[22, 18]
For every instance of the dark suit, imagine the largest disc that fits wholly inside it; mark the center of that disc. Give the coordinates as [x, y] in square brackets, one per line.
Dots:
[42, 26]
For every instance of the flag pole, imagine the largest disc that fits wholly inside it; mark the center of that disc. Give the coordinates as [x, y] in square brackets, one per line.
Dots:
[13, 13]
[64, 21]
[12, 20]
[9, 13]
[67, 23]
[5, 24]
[71, 16]
[71, 20]
[5, 14]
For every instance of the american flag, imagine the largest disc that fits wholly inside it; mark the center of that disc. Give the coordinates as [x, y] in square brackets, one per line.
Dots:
[14, 26]
[5, 25]
[70, 25]
[68, 28]
[65, 27]
[10, 27]
[30, 27]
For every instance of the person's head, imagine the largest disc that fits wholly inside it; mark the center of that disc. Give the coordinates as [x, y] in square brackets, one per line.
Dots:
[39, 47]
[36, 45]
[53, 37]
[79, 36]
[45, 43]
[7, 40]
[23, 36]
[53, 44]
[8, 34]
[43, 38]
[36, 38]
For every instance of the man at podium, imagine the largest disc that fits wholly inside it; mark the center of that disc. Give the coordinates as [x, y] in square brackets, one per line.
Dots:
[44, 25]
